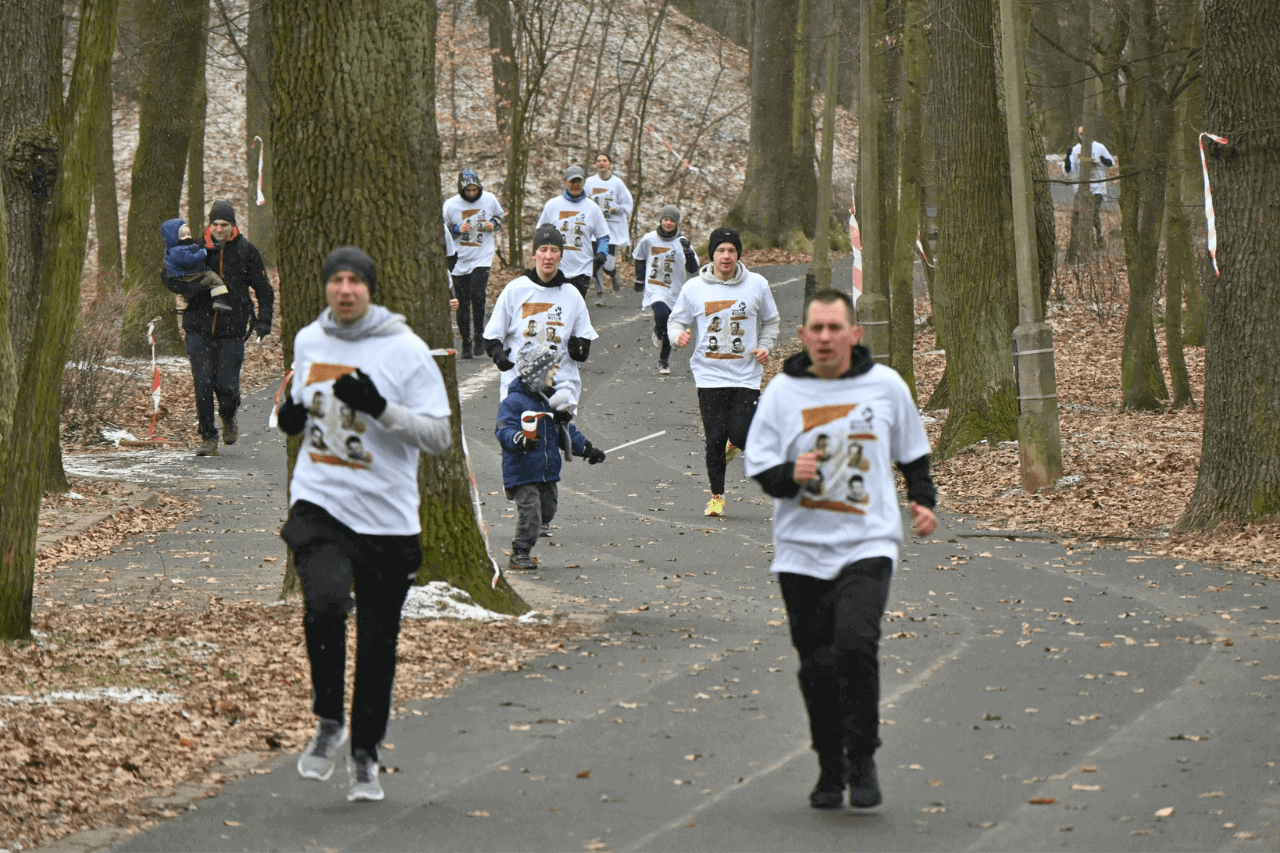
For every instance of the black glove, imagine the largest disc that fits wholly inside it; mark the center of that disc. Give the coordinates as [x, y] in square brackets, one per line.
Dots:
[561, 416]
[503, 359]
[639, 286]
[358, 391]
[592, 454]
[598, 262]
[263, 329]
[292, 417]
[579, 348]
[523, 442]
[684, 244]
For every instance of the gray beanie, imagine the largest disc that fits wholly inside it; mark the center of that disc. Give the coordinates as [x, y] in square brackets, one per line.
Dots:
[669, 210]
[351, 259]
[533, 362]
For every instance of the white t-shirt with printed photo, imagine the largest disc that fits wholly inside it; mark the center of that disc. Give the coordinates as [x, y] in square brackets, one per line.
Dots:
[725, 318]
[581, 224]
[526, 311]
[861, 425]
[608, 193]
[664, 273]
[475, 248]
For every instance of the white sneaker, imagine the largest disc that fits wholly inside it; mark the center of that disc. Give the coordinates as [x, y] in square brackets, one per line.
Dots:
[663, 369]
[657, 341]
[316, 761]
[363, 768]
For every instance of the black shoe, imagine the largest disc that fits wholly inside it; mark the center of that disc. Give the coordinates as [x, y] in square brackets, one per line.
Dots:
[208, 447]
[829, 792]
[465, 352]
[230, 432]
[864, 786]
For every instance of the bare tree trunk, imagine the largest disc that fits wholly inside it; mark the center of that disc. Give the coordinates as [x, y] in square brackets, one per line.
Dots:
[975, 285]
[40, 376]
[195, 144]
[387, 175]
[171, 34]
[259, 56]
[30, 66]
[1239, 477]
[502, 58]
[780, 180]
[106, 207]
[902, 325]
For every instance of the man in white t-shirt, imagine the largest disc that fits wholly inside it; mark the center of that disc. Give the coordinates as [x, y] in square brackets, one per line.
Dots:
[582, 228]
[827, 434]
[664, 257]
[727, 368]
[471, 217]
[611, 194]
[371, 397]
[542, 305]
[1101, 161]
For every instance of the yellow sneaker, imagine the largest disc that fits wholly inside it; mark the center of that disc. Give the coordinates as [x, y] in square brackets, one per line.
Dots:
[729, 452]
[715, 506]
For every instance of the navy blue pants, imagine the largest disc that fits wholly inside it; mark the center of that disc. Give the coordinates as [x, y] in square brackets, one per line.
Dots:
[726, 416]
[471, 290]
[215, 371]
[333, 559]
[835, 627]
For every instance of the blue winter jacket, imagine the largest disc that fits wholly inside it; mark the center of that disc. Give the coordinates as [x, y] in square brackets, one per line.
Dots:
[181, 257]
[541, 464]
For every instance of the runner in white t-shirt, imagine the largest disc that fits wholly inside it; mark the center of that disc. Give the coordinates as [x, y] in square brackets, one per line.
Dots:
[826, 436]
[611, 194]
[737, 323]
[663, 258]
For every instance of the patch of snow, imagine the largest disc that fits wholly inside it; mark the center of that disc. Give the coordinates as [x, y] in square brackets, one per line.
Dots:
[1069, 480]
[119, 695]
[439, 600]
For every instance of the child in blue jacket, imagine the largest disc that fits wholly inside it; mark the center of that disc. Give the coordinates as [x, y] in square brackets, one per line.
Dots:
[533, 428]
[186, 259]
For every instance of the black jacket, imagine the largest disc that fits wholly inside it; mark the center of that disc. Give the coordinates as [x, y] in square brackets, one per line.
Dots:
[240, 265]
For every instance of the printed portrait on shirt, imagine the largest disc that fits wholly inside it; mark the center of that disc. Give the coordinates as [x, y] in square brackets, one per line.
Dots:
[839, 434]
[336, 434]
[723, 314]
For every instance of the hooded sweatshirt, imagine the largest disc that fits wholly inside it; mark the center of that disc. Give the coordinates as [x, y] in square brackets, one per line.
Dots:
[732, 318]
[361, 469]
[861, 423]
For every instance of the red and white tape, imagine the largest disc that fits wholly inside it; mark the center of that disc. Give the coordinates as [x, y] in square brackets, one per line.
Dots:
[262, 150]
[155, 377]
[1208, 200]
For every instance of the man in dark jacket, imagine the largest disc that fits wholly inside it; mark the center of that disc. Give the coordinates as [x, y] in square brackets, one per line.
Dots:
[215, 339]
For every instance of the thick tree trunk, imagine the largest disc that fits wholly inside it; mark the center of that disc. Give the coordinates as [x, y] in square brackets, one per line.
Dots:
[40, 377]
[30, 66]
[976, 286]
[1239, 477]
[502, 58]
[780, 180]
[381, 57]
[171, 35]
[106, 206]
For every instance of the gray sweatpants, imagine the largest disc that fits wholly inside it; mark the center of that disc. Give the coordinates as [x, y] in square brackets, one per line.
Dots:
[536, 505]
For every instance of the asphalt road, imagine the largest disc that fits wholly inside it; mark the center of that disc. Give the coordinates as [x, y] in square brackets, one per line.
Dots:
[1035, 696]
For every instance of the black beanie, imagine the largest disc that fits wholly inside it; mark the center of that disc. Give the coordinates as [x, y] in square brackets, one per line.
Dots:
[548, 233]
[222, 210]
[351, 259]
[724, 234]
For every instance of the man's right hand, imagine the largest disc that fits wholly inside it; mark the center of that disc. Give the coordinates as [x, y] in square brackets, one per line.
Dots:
[464, 228]
[291, 417]
[683, 339]
[806, 467]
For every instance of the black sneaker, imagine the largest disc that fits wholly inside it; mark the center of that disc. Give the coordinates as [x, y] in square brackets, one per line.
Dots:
[230, 432]
[864, 786]
[208, 447]
[465, 352]
[520, 562]
[829, 792]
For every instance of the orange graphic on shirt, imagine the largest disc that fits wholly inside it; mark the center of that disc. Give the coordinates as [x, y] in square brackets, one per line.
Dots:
[528, 309]
[838, 506]
[322, 372]
[715, 307]
[819, 415]
[566, 214]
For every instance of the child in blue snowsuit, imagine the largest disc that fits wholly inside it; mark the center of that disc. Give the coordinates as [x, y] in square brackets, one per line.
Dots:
[531, 464]
[186, 259]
